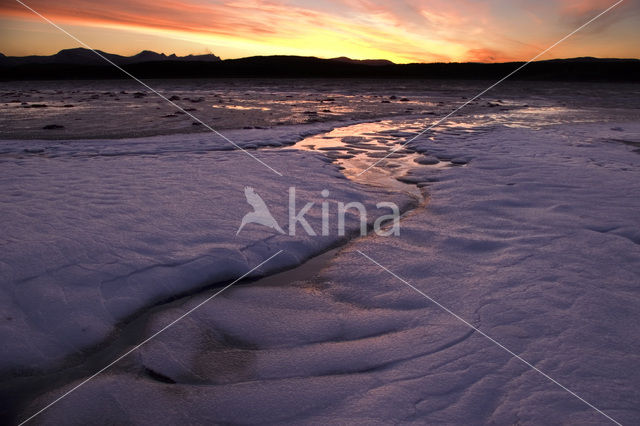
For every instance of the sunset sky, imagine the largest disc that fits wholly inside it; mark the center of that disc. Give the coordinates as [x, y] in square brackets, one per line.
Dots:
[402, 31]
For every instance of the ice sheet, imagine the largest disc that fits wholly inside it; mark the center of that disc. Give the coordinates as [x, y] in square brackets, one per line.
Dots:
[92, 233]
[535, 241]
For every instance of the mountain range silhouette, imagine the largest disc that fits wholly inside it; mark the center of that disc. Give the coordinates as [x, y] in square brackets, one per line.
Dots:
[82, 63]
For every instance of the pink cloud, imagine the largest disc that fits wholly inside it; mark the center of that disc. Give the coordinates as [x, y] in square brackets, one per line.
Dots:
[411, 30]
[487, 55]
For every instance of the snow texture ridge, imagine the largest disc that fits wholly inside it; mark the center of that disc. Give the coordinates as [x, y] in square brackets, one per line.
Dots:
[88, 241]
[535, 241]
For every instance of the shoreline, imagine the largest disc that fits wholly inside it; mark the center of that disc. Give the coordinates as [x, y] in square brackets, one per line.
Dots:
[113, 109]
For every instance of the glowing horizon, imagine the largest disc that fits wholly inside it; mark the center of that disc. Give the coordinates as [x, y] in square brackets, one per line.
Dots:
[403, 31]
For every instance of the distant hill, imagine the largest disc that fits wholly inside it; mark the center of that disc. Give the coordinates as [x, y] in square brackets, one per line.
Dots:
[374, 62]
[85, 64]
[80, 56]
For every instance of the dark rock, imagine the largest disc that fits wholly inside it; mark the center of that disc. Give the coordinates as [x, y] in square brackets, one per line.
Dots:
[330, 148]
[353, 139]
[459, 161]
[53, 127]
[410, 179]
[174, 98]
[427, 161]
[384, 155]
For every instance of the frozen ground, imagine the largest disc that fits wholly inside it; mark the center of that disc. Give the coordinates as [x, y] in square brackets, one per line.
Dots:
[535, 240]
[92, 236]
[124, 110]
[120, 109]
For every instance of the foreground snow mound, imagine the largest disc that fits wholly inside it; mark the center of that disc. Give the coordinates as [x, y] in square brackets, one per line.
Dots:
[90, 240]
[535, 242]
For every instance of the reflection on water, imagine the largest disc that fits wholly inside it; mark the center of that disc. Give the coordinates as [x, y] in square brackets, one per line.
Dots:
[523, 116]
[241, 107]
[355, 148]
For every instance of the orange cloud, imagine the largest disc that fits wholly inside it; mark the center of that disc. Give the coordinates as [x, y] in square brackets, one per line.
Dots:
[487, 55]
[403, 31]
